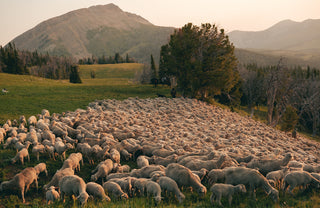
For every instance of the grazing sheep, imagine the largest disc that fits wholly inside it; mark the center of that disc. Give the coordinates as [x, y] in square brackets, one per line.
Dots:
[122, 169]
[61, 149]
[32, 121]
[117, 175]
[184, 177]
[103, 169]
[154, 189]
[200, 173]
[218, 190]
[146, 171]
[169, 185]
[21, 155]
[139, 186]
[22, 119]
[57, 177]
[277, 176]
[50, 151]
[299, 178]
[142, 161]
[115, 155]
[124, 153]
[41, 167]
[22, 181]
[96, 190]
[74, 185]
[197, 164]
[20, 146]
[125, 184]
[311, 168]
[52, 195]
[165, 161]
[115, 189]
[250, 178]
[37, 149]
[266, 166]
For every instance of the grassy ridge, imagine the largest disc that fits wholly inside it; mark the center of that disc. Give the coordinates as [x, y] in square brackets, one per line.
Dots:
[28, 95]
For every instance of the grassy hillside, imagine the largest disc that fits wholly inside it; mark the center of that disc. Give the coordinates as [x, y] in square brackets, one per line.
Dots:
[28, 95]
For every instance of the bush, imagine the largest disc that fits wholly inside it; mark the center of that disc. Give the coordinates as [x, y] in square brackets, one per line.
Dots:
[290, 119]
[74, 74]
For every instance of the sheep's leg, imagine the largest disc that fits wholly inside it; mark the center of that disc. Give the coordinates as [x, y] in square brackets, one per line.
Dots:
[218, 199]
[28, 158]
[21, 160]
[212, 198]
[230, 199]
[37, 156]
[22, 195]
[36, 181]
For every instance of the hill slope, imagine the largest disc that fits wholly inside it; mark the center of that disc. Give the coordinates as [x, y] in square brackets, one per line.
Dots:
[96, 30]
[285, 35]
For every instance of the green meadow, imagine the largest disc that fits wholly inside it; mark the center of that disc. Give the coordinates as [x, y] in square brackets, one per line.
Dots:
[28, 95]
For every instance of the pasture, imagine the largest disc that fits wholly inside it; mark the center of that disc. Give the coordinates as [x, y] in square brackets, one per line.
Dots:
[28, 95]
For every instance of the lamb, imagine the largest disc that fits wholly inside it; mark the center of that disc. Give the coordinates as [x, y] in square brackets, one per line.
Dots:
[37, 149]
[154, 189]
[21, 155]
[103, 169]
[115, 189]
[184, 177]
[57, 177]
[22, 181]
[266, 166]
[96, 190]
[277, 176]
[74, 185]
[52, 195]
[61, 149]
[142, 161]
[251, 178]
[219, 190]
[41, 167]
[299, 178]
[169, 185]
[32, 121]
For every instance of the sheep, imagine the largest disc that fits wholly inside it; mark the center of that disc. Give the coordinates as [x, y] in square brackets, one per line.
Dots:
[32, 121]
[41, 167]
[215, 176]
[57, 177]
[103, 169]
[124, 153]
[96, 190]
[75, 158]
[59, 132]
[311, 168]
[42, 125]
[1, 137]
[48, 135]
[8, 142]
[219, 190]
[201, 173]
[85, 149]
[165, 161]
[277, 176]
[22, 119]
[115, 155]
[37, 149]
[74, 185]
[197, 164]
[115, 189]
[122, 169]
[154, 189]
[169, 185]
[117, 175]
[61, 149]
[19, 146]
[299, 178]
[139, 185]
[125, 184]
[266, 166]
[50, 150]
[184, 177]
[32, 137]
[251, 178]
[146, 171]
[52, 195]
[22, 181]
[142, 161]
[21, 155]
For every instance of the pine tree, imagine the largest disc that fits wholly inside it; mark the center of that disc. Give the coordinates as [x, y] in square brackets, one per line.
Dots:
[154, 79]
[74, 74]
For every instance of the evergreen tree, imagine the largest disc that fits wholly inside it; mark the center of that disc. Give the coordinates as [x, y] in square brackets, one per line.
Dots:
[203, 61]
[290, 119]
[74, 74]
[154, 79]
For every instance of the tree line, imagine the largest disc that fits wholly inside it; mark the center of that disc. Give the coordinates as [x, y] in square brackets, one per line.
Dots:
[116, 59]
[16, 61]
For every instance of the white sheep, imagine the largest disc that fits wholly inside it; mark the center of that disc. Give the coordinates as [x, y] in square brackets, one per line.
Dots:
[74, 185]
[139, 185]
[277, 176]
[96, 190]
[115, 189]
[52, 195]
[20, 156]
[41, 167]
[218, 190]
[154, 189]
[32, 121]
[57, 177]
[22, 181]
[184, 177]
[50, 150]
[125, 184]
[122, 169]
[146, 171]
[170, 186]
[299, 178]
[61, 149]
[115, 155]
[103, 169]
[37, 149]
[142, 161]
[19, 146]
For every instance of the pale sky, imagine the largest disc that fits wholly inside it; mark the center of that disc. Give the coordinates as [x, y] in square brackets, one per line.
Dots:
[18, 16]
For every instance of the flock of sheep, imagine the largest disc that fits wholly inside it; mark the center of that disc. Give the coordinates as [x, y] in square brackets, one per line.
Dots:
[176, 143]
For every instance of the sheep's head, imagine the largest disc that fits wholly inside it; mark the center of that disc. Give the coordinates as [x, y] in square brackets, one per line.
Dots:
[106, 198]
[202, 190]
[83, 197]
[94, 178]
[124, 196]
[157, 199]
[241, 188]
[181, 197]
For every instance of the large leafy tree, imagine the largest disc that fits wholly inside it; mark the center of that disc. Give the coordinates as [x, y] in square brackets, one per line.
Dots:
[201, 59]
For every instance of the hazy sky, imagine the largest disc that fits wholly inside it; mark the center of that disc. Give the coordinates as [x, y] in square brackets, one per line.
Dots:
[18, 16]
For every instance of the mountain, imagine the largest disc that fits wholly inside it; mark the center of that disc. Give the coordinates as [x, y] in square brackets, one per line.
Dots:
[286, 35]
[97, 30]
